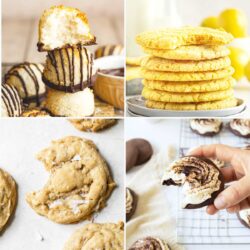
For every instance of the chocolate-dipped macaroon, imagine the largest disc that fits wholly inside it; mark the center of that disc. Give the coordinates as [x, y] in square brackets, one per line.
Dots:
[109, 50]
[150, 243]
[27, 78]
[244, 217]
[11, 102]
[69, 69]
[201, 179]
[138, 151]
[131, 203]
[206, 127]
[240, 127]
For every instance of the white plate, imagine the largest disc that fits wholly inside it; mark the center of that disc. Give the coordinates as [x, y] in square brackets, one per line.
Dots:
[136, 105]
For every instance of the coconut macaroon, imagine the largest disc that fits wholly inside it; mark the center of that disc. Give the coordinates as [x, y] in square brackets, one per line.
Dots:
[69, 69]
[27, 79]
[11, 102]
[61, 26]
[79, 104]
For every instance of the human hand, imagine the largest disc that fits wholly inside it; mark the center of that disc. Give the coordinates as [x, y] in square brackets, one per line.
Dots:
[237, 196]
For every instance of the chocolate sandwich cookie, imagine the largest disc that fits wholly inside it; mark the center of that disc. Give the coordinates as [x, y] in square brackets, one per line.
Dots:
[138, 151]
[11, 102]
[201, 179]
[108, 50]
[131, 203]
[150, 243]
[240, 127]
[244, 217]
[69, 69]
[27, 78]
[206, 127]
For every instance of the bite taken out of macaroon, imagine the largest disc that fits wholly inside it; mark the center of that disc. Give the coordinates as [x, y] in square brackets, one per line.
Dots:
[200, 178]
[62, 27]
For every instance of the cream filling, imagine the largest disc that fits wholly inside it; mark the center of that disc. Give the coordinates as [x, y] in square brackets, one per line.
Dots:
[244, 129]
[205, 126]
[245, 215]
[193, 195]
[129, 201]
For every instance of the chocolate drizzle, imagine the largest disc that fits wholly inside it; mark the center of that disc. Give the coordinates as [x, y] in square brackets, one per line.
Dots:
[149, 243]
[15, 71]
[67, 56]
[11, 100]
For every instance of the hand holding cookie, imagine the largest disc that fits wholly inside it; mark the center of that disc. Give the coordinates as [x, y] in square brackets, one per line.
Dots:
[237, 196]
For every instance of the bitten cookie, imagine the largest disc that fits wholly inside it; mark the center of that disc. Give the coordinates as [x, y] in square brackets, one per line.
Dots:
[95, 236]
[93, 125]
[131, 203]
[240, 127]
[206, 127]
[35, 113]
[61, 27]
[201, 179]
[79, 183]
[150, 243]
[244, 217]
[8, 197]
[138, 151]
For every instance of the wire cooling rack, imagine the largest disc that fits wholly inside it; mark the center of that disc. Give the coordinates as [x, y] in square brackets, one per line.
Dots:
[195, 226]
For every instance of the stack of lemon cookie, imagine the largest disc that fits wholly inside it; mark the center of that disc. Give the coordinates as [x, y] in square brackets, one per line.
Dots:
[187, 69]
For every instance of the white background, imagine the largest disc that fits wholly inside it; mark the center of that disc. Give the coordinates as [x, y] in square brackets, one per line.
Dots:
[21, 139]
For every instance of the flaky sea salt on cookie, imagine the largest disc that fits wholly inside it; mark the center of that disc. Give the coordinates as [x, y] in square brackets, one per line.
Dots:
[61, 26]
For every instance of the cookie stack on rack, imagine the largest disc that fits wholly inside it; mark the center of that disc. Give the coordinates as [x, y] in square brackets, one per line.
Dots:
[187, 69]
[63, 34]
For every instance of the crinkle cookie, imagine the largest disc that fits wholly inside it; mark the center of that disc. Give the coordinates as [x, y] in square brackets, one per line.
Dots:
[95, 236]
[186, 76]
[163, 96]
[79, 183]
[8, 197]
[172, 38]
[93, 125]
[161, 64]
[222, 104]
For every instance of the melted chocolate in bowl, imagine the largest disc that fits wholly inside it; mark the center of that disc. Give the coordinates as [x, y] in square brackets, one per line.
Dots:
[113, 72]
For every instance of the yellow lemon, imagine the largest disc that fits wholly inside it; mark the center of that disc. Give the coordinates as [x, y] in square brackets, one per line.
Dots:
[210, 22]
[247, 71]
[239, 59]
[234, 21]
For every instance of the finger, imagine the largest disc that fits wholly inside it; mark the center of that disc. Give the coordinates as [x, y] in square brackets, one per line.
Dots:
[228, 174]
[234, 194]
[211, 209]
[234, 209]
[222, 152]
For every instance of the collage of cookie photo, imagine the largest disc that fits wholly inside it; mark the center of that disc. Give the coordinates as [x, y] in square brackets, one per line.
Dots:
[125, 125]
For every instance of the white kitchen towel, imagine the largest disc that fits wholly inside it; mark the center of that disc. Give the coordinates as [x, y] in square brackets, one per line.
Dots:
[152, 216]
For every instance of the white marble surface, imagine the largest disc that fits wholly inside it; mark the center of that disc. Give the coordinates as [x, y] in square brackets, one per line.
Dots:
[162, 133]
[20, 140]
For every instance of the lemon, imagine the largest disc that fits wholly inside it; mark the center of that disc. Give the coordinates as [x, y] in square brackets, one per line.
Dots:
[210, 22]
[233, 21]
[239, 59]
[247, 71]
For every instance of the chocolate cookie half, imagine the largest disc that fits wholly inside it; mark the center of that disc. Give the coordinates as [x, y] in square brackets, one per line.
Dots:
[206, 127]
[201, 179]
[138, 151]
[150, 243]
[240, 127]
[131, 203]
[244, 217]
